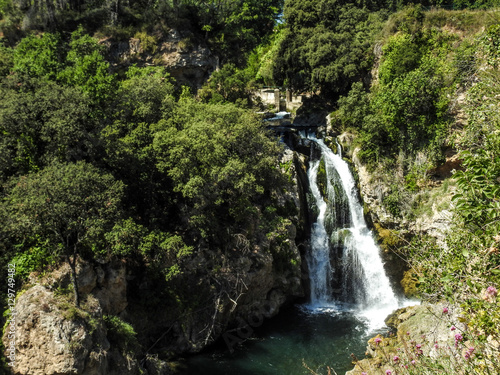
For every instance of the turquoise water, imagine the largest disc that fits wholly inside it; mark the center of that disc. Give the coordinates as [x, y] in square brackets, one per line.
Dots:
[282, 344]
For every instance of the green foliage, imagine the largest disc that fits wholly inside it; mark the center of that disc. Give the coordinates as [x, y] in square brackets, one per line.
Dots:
[465, 62]
[392, 201]
[121, 334]
[125, 238]
[228, 84]
[69, 206]
[219, 159]
[148, 42]
[491, 45]
[326, 47]
[465, 271]
[83, 65]
[406, 113]
[6, 59]
[238, 25]
[38, 125]
[261, 61]
[410, 111]
[86, 67]
[479, 202]
[146, 95]
[409, 20]
[39, 57]
[401, 54]
[36, 259]
[353, 108]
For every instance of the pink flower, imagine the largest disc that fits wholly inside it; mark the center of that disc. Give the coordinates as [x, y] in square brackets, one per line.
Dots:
[445, 310]
[492, 291]
[418, 346]
[413, 362]
[378, 340]
[458, 337]
[453, 328]
[396, 358]
[364, 373]
[388, 372]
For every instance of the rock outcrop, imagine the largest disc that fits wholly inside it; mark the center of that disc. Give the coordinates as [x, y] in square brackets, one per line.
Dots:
[224, 292]
[419, 333]
[189, 61]
[53, 336]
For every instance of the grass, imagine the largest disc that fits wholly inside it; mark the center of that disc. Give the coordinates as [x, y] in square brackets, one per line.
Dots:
[467, 22]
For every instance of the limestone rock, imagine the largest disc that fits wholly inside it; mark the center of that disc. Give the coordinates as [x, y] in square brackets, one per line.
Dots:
[188, 61]
[55, 337]
[112, 290]
[48, 342]
[422, 329]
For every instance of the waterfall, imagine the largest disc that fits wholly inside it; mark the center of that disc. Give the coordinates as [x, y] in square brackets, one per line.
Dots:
[344, 262]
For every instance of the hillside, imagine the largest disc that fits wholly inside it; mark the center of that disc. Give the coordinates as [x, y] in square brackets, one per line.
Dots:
[147, 211]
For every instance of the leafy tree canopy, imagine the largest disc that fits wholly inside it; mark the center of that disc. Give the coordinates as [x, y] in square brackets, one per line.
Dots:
[219, 159]
[71, 206]
[327, 46]
[41, 121]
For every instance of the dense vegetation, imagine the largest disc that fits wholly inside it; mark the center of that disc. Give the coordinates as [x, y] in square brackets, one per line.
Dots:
[98, 165]
[434, 94]
[103, 164]
[231, 28]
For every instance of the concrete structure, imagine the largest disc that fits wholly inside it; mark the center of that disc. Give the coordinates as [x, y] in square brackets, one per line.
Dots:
[278, 99]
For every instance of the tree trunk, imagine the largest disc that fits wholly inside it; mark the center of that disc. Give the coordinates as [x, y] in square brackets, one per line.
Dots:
[72, 265]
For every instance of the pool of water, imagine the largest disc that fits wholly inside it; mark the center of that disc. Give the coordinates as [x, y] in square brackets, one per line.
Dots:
[315, 337]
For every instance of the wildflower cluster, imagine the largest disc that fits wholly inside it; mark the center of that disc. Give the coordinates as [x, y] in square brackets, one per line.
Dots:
[411, 353]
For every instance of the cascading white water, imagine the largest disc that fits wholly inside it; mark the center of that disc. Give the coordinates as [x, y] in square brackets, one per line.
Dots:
[319, 259]
[362, 280]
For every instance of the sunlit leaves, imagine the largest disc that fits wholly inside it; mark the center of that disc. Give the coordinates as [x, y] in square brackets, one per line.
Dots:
[39, 56]
[219, 159]
[71, 205]
[327, 46]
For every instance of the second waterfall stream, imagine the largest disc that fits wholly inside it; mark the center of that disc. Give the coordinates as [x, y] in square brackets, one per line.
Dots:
[345, 267]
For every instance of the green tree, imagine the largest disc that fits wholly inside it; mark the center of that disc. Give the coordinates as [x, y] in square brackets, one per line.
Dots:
[146, 95]
[239, 25]
[39, 56]
[327, 46]
[401, 54]
[41, 121]
[71, 206]
[353, 108]
[143, 98]
[220, 161]
[87, 68]
[6, 59]
[229, 84]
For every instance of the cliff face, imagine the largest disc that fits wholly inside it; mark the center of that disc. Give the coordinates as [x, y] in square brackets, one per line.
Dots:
[55, 337]
[420, 335]
[188, 61]
[229, 294]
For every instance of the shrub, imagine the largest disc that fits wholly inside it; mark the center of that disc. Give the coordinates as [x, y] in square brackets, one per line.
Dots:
[121, 334]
